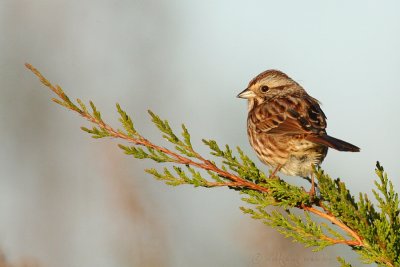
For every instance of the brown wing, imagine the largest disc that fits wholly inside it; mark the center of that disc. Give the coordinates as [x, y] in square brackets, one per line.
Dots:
[297, 116]
[289, 116]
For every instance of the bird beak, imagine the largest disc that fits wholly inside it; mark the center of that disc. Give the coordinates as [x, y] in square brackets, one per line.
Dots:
[246, 93]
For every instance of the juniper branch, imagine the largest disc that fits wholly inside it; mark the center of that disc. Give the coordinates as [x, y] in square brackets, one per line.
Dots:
[374, 234]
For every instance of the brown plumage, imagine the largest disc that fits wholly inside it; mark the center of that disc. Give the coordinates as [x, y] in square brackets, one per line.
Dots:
[286, 126]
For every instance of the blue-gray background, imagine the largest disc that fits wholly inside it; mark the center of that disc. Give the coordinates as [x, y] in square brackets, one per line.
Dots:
[69, 200]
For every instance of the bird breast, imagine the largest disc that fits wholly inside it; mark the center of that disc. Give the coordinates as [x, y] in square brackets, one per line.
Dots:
[295, 155]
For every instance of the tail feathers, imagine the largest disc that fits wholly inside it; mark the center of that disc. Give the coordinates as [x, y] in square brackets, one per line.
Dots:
[333, 143]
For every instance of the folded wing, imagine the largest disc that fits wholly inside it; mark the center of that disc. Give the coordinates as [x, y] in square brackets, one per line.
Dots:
[300, 116]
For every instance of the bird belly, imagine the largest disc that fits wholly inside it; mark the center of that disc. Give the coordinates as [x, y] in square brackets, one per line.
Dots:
[294, 156]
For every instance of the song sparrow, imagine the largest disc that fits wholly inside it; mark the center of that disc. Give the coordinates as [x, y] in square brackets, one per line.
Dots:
[286, 126]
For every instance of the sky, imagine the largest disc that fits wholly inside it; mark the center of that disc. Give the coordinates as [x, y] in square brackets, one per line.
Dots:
[69, 200]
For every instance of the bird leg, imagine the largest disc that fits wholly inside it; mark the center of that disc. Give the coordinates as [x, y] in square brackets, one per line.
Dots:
[272, 175]
[312, 190]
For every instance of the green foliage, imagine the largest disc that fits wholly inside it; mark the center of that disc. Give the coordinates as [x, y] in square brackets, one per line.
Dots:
[126, 122]
[181, 176]
[185, 146]
[244, 167]
[151, 153]
[343, 262]
[378, 230]
[372, 232]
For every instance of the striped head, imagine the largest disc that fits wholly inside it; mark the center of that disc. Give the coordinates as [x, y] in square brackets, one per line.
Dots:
[268, 85]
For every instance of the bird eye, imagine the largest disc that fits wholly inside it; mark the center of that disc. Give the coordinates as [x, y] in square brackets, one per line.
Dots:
[264, 88]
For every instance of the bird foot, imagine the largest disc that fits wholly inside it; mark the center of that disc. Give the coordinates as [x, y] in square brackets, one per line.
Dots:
[313, 193]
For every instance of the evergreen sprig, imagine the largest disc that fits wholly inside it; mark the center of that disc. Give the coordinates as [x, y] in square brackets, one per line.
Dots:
[373, 232]
[343, 263]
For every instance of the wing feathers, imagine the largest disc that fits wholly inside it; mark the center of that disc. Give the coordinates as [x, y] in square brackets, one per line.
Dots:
[296, 115]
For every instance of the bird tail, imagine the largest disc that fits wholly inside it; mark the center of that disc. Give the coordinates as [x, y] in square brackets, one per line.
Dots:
[333, 143]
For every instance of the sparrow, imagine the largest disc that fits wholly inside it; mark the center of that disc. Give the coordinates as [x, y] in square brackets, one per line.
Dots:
[286, 126]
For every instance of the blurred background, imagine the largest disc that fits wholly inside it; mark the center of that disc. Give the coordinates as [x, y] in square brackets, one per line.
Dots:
[69, 200]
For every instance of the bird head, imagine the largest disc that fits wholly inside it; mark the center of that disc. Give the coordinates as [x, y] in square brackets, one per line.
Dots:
[270, 84]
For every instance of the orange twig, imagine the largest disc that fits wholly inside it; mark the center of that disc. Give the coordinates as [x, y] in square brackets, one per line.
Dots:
[337, 222]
